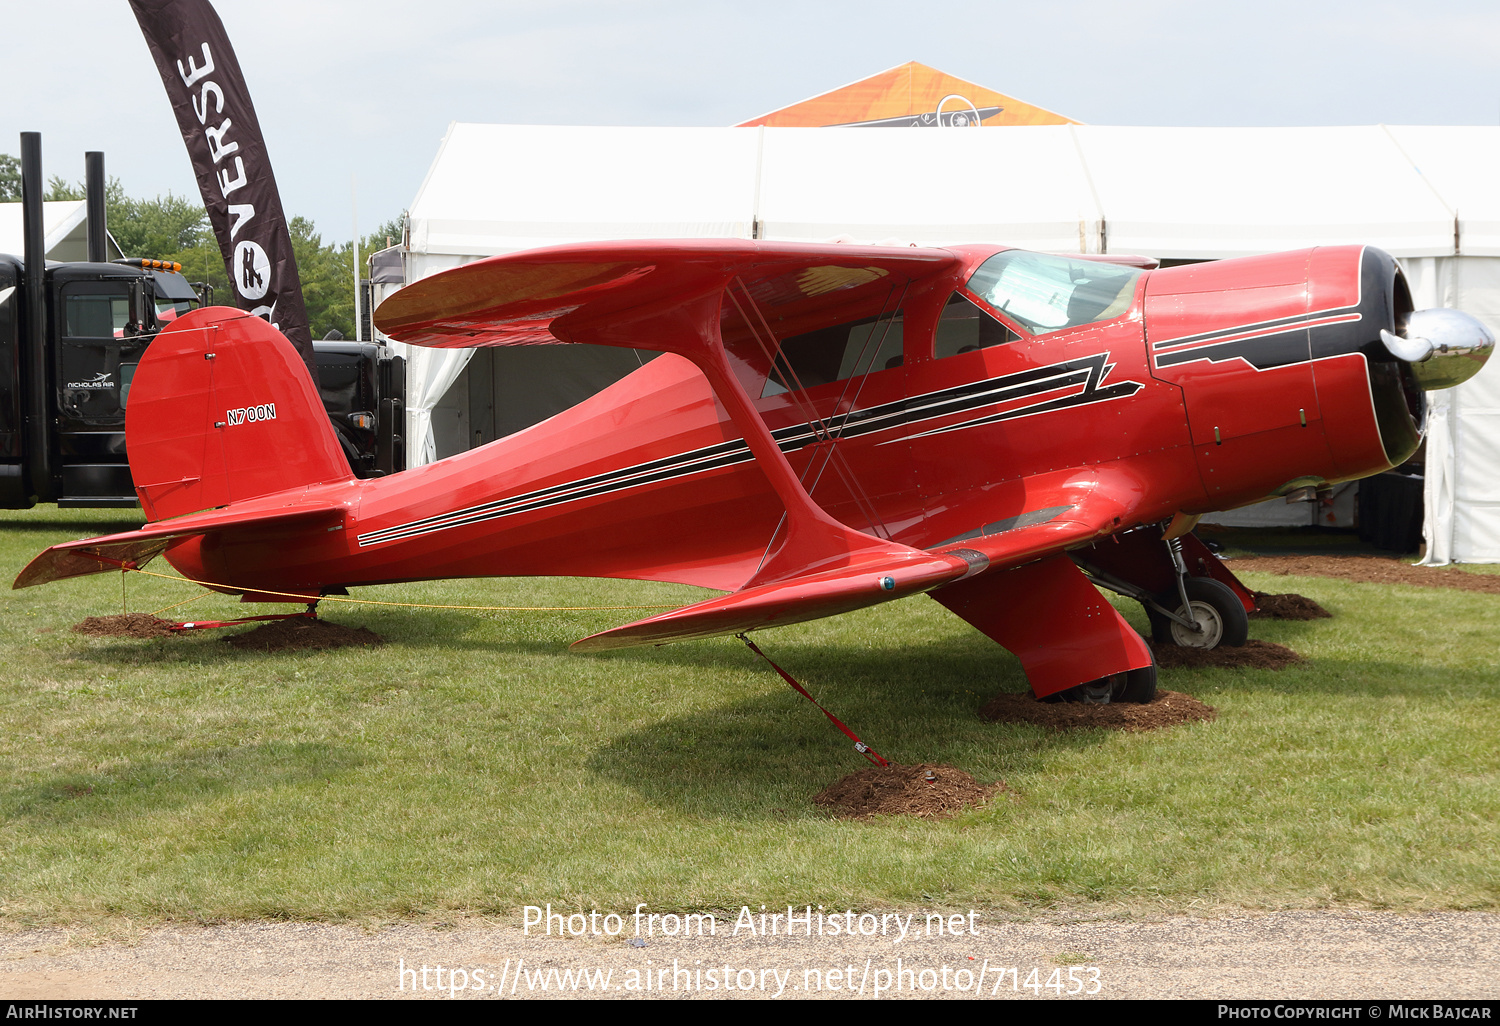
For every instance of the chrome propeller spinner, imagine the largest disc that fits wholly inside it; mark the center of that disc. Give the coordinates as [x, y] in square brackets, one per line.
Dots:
[1445, 347]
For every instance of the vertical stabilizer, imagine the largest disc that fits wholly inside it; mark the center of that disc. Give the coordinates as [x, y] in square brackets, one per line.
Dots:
[221, 409]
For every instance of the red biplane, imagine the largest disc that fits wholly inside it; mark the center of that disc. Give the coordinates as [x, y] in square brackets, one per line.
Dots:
[827, 427]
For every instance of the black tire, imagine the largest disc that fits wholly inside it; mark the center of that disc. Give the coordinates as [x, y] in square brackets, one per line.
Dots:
[1230, 625]
[1092, 692]
[1132, 686]
[1140, 685]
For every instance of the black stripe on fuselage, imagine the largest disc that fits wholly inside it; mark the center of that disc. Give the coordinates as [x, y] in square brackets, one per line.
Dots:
[1299, 338]
[1291, 321]
[1087, 374]
[1083, 374]
[1260, 351]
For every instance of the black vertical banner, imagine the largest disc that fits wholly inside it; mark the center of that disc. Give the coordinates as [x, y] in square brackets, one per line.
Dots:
[212, 104]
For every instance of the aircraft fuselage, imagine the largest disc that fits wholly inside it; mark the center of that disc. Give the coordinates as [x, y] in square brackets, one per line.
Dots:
[1211, 386]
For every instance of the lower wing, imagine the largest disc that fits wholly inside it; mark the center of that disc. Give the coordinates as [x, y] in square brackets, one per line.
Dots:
[1062, 515]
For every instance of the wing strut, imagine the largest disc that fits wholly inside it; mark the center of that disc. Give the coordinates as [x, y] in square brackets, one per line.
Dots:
[884, 321]
[815, 542]
[826, 434]
[821, 566]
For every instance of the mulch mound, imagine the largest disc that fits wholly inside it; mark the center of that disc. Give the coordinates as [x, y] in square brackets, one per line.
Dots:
[1370, 570]
[1253, 655]
[896, 790]
[1287, 607]
[125, 625]
[1168, 709]
[301, 634]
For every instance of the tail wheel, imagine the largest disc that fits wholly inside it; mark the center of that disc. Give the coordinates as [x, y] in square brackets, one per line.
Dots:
[1215, 607]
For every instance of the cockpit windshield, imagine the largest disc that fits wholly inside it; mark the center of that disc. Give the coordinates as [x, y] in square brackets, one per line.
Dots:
[1045, 293]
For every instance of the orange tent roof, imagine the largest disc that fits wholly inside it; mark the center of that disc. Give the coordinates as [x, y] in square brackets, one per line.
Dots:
[909, 95]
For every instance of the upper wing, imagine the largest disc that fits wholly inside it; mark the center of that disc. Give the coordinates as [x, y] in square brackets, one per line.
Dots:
[623, 293]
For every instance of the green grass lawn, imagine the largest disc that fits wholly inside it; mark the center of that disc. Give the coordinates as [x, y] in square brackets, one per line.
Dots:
[474, 765]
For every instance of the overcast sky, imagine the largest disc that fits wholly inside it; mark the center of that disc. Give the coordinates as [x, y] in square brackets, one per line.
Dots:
[366, 89]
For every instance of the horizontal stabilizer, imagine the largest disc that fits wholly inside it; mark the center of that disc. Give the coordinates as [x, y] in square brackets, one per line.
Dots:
[137, 548]
[865, 582]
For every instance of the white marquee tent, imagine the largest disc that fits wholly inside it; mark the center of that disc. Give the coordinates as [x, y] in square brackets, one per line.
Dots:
[1425, 194]
[64, 230]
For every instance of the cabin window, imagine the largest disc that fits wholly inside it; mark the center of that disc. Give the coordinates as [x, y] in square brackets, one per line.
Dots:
[837, 353]
[171, 309]
[95, 314]
[965, 328]
[1044, 293]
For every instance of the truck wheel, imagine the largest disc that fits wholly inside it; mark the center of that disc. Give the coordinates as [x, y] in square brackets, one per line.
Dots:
[1215, 606]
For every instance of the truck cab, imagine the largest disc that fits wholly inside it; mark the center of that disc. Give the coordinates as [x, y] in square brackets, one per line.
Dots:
[100, 318]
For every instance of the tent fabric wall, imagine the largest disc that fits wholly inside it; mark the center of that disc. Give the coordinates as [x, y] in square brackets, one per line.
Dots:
[1219, 192]
[1425, 194]
[1172, 192]
[499, 188]
[429, 375]
[1462, 498]
[1459, 165]
[1024, 185]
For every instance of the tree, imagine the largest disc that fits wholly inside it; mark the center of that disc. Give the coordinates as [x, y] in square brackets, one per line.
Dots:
[327, 281]
[155, 227]
[386, 235]
[10, 178]
[59, 189]
[176, 228]
[327, 273]
[169, 227]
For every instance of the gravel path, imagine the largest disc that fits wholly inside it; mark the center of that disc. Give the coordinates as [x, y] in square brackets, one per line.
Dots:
[1286, 955]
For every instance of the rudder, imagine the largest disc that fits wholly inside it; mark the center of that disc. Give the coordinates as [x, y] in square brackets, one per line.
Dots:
[221, 409]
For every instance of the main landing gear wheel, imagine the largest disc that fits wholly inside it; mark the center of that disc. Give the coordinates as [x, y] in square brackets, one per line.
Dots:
[1139, 685]
[1131, 686]
[1215, 607]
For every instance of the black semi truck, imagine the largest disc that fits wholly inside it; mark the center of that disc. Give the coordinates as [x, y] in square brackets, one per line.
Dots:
[71, 335]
